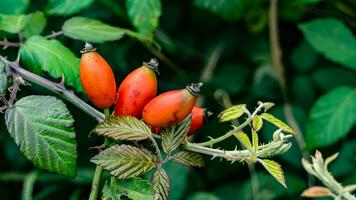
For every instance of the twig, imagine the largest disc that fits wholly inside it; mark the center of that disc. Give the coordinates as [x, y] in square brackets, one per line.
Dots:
[254, 181]
[5, 43]
[54, 34]
[158, 151]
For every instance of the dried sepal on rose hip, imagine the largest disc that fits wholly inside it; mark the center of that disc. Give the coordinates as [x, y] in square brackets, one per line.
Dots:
[199, 117]
[137, 89]
[171, 107]
[97, 78]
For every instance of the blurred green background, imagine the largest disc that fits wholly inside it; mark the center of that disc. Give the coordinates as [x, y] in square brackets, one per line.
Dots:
[226, 44]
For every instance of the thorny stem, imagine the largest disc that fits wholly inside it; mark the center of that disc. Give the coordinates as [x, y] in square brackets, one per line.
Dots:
[230, 133]
[6, 44]
[54, 34]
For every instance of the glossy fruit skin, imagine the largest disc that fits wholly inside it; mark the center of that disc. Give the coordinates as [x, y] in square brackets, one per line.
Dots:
[97, 79]
[136, 90]
[169, 108]
[198, 119]
[155, 129]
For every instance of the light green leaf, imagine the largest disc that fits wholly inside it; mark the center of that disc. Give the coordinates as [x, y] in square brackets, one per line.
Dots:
[174, 135]
[189, 159]
[36, 24]
[42, 127]
[274, 169]
[228, 9]
[125, 161]
[257, 122]
[161, 185]
[333, 39]
[3, 79]
[331, 117]
[134, 188]
[13, 23]
[91, 30]
[66, 7]
[254, 140]
[232, 113]
[13, 7]
[270, 118]
[40, 54]
[144, 15]
[123, 128]
[244, 140]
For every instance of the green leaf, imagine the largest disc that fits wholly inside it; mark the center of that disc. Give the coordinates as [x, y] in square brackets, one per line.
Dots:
[123, 128]
[125, 161]
[331, 117]
[144, 15]
[42, 127]
[254, 140]
[232, 113]
[244, 140]
[40, 54]
[134, 188]
[66, 7]
[202, 196]
[346, 161]
[307, 1]
[304, 57]
[3, 79]
[174, 135]
[274, 169]
[13, 23]
[189, 159]
[91, 30]
[179, 186]
[36, 24]
[270, 118]
[257, 122]
[13, 7]
[333, 39]
[228, 9]
[161, 185]
[328, 78]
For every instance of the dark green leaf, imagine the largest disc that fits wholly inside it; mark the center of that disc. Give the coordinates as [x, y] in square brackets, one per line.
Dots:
[14, 23]
[303, 91]
[174, 135]
[161, 185]
[134, 188]
[328, 78]
[228, 9]
[36, 24]
[304, 57]
[333, 39]
[144, 14]
[331, 118]
[44, 134]
[307, 1]
[123, 128]
[180, 173]
[345, 163]
[232, 113]
[189, 159]
[40, 54]
[125, 161]
[202, 196]
[66, 7]
[91, 30]
[13, 7]
[3, 79]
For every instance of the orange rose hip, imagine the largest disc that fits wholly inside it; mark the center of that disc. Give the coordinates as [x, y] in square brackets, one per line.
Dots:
[97, 78]
[199, 116]
[171, 107]
[137, 89]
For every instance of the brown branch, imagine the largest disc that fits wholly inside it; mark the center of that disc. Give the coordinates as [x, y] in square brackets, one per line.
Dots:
[54, 34]
[5, 43]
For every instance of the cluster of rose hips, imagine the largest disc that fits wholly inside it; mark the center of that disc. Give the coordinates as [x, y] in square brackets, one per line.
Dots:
[136, 95]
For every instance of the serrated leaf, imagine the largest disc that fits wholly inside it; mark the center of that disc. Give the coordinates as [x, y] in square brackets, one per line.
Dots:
[331, 117]
[3, 79]
[66, 7]
[36, 24]
[189, 159]
[254, 140]
[134, 188]
[174, 135]
[257, 123]
[40, 54]
[125, 161]
[44, 134]
[270, 118]
[274, 169]
[333, 39]
[144, 15]
[123, 128]
[228, 9]
[161, 185]
[232, 113]
[244, 140]
[91, 30]
[13, 23]
[13, 7]
[316, 191]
